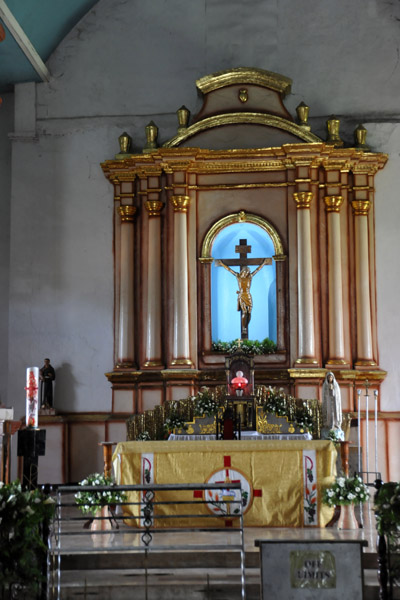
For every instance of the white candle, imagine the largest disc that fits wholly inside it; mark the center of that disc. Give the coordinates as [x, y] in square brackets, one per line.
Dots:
[32, 396]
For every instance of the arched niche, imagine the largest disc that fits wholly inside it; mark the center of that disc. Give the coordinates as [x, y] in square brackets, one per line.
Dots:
[222, 319]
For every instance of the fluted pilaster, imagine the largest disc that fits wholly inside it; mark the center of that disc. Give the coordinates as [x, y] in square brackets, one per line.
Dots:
[126, 301]
[335, 282]
[153, 327]
[181, 346]
[306, 340]
[363, 285]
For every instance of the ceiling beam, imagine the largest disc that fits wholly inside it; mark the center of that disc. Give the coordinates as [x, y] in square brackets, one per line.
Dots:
[23, 41]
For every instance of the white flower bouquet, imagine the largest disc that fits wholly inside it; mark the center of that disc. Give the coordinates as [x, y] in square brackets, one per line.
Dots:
[205, 403]
[346, 490]
[90, 501]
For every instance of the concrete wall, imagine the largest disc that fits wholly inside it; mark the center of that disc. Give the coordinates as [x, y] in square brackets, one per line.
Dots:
[129, 62]
[6, 126]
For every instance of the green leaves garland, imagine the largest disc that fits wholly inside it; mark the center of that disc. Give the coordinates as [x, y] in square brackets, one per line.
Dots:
[256, 347]
[23, 517]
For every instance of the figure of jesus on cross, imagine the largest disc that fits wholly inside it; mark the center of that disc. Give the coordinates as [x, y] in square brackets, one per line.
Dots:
[244, 278]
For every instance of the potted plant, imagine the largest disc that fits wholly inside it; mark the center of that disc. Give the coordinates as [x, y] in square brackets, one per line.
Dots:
[25, 517]
[98, 503]
[346, 492]
[387, 513]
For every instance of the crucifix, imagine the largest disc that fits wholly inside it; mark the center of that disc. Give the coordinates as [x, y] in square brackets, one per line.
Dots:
[244, 278]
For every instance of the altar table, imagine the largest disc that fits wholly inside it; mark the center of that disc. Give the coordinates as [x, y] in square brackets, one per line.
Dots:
[282, 481]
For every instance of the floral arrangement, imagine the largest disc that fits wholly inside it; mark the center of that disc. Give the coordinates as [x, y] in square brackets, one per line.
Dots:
[346, 490]
[174, 421]
[335, 435]
[144, 436]
[284, 405]
[266, 346]
[90, 501]
[24, 515]
[304, 420]
[205, 403]
[276, 401]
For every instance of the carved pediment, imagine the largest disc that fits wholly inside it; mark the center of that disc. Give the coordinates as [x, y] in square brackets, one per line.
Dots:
[242, 108]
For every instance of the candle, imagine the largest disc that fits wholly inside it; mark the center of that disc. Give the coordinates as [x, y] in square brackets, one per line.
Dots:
[32, 396]
[367, 427]
[376, 433]
[359, 431]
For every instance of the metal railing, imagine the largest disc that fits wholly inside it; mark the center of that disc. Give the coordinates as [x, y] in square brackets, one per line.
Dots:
[153, 519]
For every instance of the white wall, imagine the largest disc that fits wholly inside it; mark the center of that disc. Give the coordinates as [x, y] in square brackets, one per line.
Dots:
[129, 62]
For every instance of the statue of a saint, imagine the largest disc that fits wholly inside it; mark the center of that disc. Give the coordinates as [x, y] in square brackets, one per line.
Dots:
[245, 301]
[331, 407]
[47, 375]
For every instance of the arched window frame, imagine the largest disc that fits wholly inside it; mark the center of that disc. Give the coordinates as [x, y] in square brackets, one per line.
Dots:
[205, 334]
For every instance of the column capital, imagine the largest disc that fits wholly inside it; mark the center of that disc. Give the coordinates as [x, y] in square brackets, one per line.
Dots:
[180, 203]
[302, 199]
[361, 207]
[126, 212]
[333, 203]
[154, 207]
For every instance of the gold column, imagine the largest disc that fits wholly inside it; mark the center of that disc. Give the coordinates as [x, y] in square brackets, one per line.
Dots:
[306, 339]
[363, 302]
[181, 347]
[335, 282]
[126, 301]
[153, 326]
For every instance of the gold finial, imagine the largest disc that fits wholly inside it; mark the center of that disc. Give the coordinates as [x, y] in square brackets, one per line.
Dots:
[125, 142]
[302, 114]
[243, 95]
[151, 137]
[360, 135]
[239, 343]
[333, 124]
[183, 118]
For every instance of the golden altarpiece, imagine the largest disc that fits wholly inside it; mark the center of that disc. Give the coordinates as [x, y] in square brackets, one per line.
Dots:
[243, 158]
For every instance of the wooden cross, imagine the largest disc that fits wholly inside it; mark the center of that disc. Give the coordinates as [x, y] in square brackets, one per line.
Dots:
[244, 261]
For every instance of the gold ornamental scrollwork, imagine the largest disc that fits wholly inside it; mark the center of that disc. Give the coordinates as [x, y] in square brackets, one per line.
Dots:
[302, 199]
[241, 217]
[361, 207]
[243, 75]
[154, 207]
[333, 203]
[180, 203]
[127, 213]
[243, 118]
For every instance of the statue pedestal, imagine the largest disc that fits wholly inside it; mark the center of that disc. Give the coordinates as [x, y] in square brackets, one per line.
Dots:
[31, 445]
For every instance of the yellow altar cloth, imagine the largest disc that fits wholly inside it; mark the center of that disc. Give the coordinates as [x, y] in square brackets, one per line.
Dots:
[282, 481]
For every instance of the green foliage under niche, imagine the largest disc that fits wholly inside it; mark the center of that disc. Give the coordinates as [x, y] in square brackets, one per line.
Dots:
[266, 346]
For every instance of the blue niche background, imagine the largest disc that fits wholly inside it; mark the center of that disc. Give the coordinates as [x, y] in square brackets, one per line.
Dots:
[225, 320]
